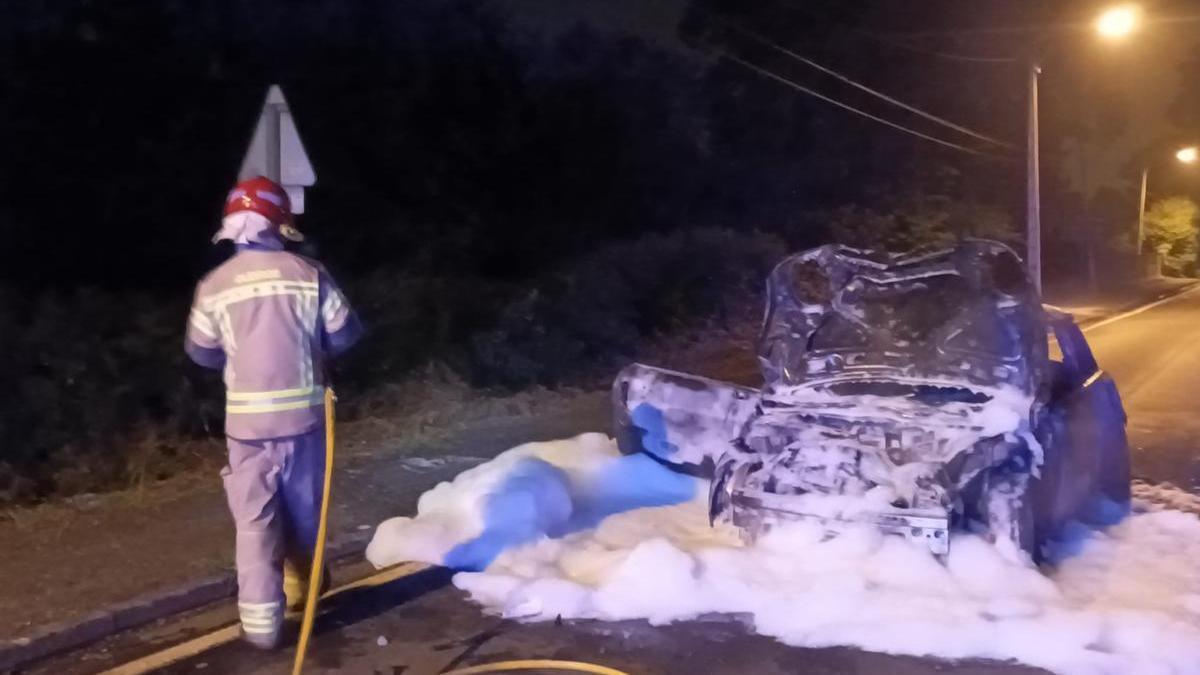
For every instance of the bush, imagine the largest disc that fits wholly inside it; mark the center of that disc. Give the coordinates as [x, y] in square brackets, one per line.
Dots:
[411, 321]
[84, 371]
[587, 315]
[917, 222]
[101, 395]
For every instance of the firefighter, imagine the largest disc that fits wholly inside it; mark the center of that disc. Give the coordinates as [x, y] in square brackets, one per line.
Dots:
[270, 318]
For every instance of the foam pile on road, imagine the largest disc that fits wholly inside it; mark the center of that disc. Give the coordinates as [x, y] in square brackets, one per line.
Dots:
[572, 529]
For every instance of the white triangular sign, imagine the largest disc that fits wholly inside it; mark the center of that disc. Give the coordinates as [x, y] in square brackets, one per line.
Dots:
[277, 152]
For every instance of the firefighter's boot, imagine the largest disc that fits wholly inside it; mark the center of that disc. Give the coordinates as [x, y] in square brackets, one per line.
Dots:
[295, 585]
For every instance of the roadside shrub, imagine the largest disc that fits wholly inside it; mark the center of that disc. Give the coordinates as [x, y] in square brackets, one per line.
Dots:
[411, 321]
[100, 394]
[82, 371]
[598, 309]
[916, 222]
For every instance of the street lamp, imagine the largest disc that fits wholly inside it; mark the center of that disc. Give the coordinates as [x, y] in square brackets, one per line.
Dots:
[1115, 23]
[1033, 189]
[1119, 22]
[1187, 155]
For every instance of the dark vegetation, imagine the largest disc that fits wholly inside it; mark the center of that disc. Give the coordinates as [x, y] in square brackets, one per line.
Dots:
[522, 207]
[100, 395]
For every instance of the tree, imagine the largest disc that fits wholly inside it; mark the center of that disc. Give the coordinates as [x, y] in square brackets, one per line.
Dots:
[918, 221]
[1171, 228]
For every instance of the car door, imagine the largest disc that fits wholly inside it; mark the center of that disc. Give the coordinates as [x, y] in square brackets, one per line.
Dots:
[1086, 473]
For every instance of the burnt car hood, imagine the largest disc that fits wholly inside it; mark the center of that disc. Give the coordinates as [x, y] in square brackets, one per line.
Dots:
[965, 316]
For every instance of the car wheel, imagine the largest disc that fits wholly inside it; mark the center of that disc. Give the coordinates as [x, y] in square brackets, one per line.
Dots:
[1008, 505]
[1114, 487]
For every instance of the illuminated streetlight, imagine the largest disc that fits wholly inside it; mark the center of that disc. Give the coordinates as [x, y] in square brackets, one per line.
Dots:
[1119, 22]
[1187, 155]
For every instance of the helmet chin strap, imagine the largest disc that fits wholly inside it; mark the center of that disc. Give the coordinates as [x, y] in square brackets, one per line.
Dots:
[287, 231]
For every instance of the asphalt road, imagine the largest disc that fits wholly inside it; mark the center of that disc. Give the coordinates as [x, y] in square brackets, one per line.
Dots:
[422, 625]
[1154, 356]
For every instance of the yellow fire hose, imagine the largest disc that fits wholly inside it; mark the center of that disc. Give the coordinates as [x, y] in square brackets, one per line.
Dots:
[317, 571]
[536, 664]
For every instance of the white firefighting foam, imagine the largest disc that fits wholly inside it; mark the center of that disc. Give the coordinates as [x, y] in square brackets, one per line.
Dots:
[1126, 600]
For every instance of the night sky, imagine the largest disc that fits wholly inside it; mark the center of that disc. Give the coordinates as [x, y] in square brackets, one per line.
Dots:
[1142, 75]
[90, 147]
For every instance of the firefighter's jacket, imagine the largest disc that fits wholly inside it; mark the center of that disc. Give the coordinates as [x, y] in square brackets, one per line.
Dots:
[270, 318]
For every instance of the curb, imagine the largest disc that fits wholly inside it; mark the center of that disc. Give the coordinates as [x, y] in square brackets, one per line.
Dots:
[1137, 308]
[56, 638]
[1143, 302]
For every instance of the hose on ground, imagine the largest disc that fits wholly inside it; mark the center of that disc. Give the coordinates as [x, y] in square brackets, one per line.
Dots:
[536, 664]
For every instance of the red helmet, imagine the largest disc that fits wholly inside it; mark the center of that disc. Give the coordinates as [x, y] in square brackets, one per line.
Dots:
[266, 198]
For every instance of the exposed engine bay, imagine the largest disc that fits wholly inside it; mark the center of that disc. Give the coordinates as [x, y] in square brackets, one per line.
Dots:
[914, 393]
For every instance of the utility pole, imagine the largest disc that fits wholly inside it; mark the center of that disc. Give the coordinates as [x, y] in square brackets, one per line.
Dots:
[1033, 213]
[1141, 233]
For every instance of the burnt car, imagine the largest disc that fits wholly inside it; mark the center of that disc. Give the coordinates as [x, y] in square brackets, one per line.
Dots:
[921, 394]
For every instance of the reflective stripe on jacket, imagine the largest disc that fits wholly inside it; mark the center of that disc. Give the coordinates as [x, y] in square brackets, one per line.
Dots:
[271, 314]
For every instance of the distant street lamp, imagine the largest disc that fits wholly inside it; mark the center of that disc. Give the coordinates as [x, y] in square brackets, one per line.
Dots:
[1187, 155]
[1117, 23]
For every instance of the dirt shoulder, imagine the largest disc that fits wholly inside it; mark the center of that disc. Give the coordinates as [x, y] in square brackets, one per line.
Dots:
[66, 560]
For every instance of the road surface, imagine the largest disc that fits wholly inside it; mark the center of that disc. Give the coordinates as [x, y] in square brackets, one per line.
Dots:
[422, 625]
[1154, 356]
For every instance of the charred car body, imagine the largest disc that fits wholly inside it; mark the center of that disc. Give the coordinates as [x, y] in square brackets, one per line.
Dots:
[914, 393]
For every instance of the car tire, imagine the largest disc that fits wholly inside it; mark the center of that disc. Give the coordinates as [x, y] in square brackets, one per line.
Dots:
[1115, 484]
[1020, 525]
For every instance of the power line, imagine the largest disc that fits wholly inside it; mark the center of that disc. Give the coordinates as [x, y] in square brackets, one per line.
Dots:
[757, 37]
[856, 111]
[941, 55]
[762, 39]
[1060, 26]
